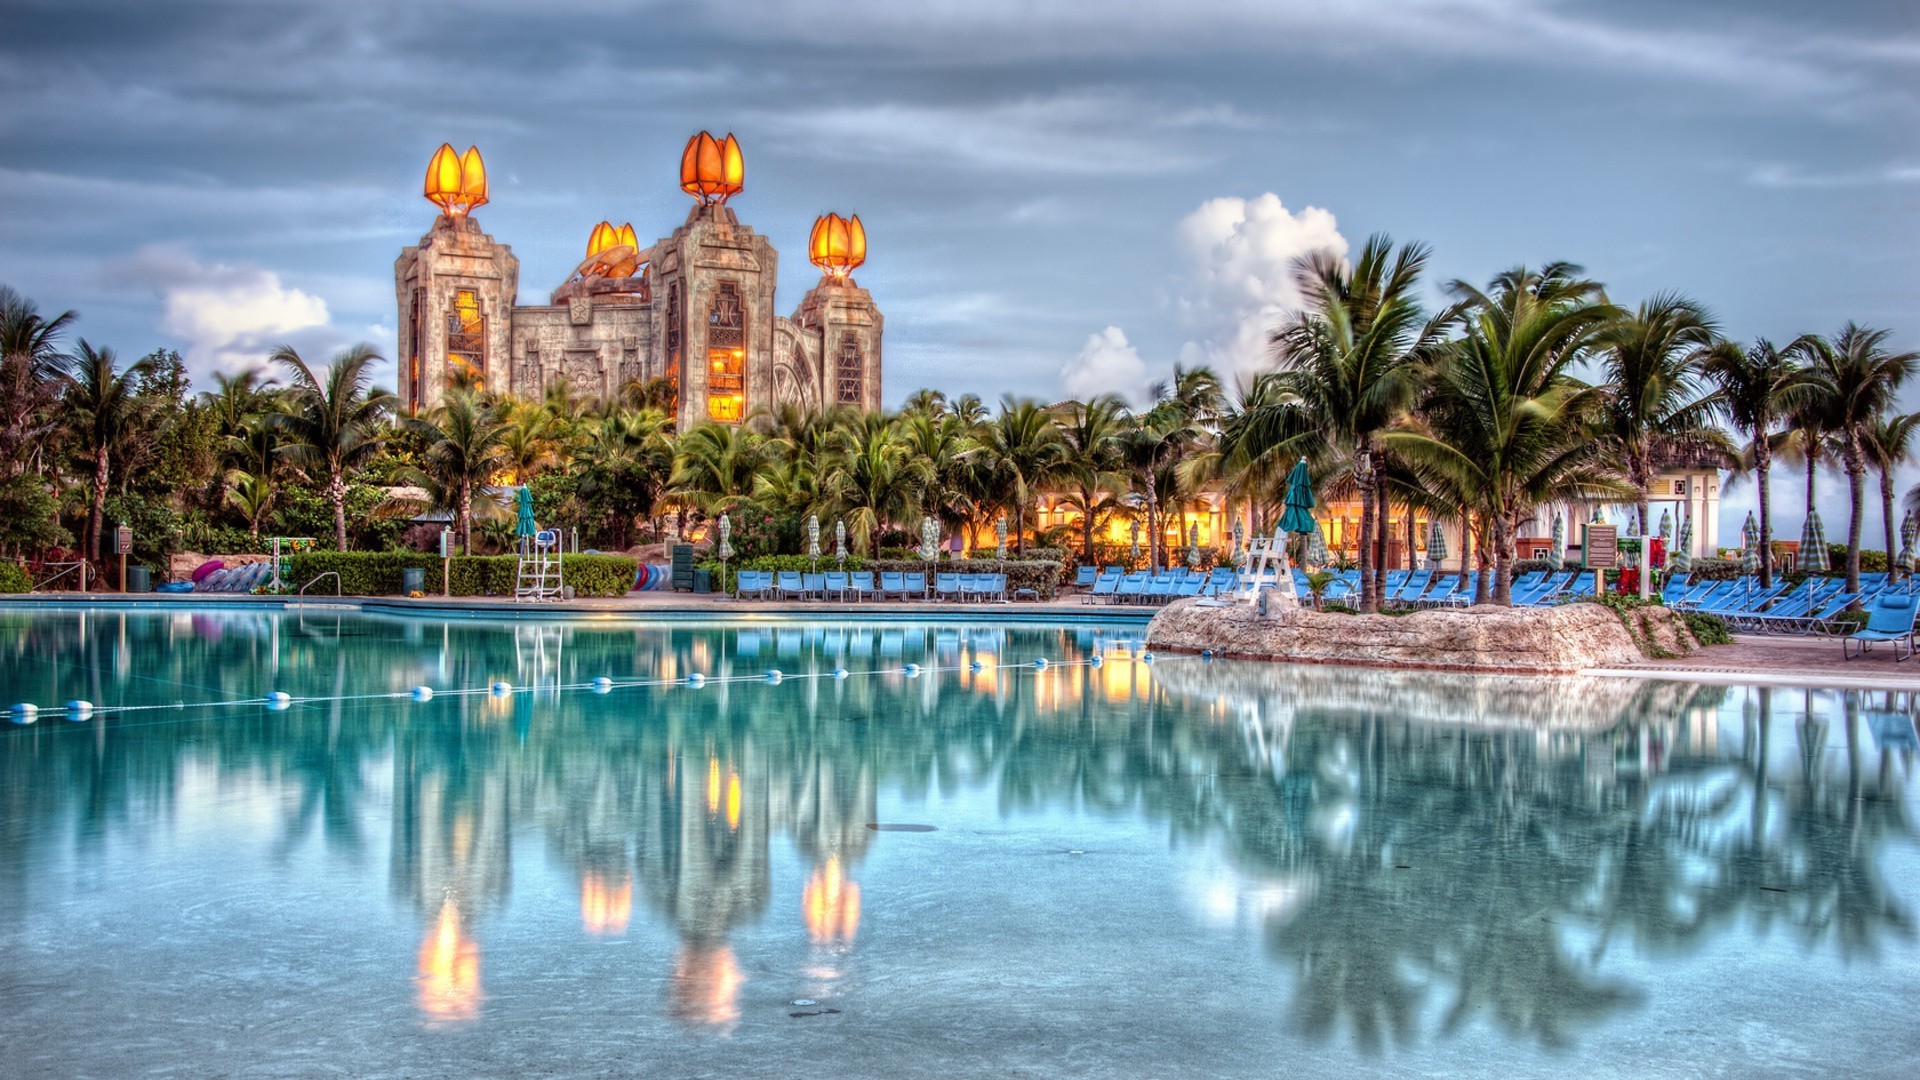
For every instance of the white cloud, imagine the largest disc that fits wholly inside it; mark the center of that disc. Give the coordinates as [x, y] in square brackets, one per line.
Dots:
[230, 317]
[1106, 364]
[1239, 284]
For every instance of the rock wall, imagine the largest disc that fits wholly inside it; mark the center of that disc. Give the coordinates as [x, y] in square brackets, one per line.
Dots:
[1555, 640]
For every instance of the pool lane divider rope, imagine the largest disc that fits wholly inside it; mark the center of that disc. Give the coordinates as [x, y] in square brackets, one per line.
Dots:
[280, 701]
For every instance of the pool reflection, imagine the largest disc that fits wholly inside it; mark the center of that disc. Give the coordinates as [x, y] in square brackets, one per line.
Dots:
[1423, 853]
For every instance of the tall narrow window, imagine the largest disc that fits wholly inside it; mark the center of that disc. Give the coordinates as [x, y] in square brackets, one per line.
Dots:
[673, 340]
[467, 337]
[726, 356]
[850, 365]
[417, 317]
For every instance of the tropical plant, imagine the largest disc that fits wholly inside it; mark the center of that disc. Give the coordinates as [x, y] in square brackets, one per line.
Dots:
[1859, 379]
[32, 367]
[1023, 455]
[1889, 445]
[1759, 387]
[872, 480]
[1091, 465]
[715, 464]
[252, 496]
[333, 422]
[102, 412]
[465, 448]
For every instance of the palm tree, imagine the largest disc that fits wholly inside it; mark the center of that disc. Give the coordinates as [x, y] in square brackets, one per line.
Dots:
[872, 479]
[1759, 388]
[625, 467]
[716, 464]
[1346, 374]
[1507, 419]
[252, 496]
[103, 410]
[333, 422]
[31, 366]
[1090, 462]
[529, 442]
[945, 445]
[1889, 445]
[465, 447]
[1024, 454]
[1860, 378]
[1656, 405]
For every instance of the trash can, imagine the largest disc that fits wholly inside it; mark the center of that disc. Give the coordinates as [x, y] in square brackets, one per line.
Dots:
[702, 580]
[413, 579]
[139, 579]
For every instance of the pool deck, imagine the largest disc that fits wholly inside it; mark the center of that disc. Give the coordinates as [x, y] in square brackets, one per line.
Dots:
[1751, 659]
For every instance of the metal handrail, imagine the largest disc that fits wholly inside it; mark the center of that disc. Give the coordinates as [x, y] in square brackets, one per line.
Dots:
[86, 572]
[316, 580]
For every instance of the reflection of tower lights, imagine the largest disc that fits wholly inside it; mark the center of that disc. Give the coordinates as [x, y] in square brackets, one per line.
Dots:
[449, 971]
[713, 785]
[706, 986]
[733, 799]
[831, 904]
[605, 907]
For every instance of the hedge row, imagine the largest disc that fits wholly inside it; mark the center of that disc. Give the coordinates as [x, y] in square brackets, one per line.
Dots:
[14, 578]
[377, 573]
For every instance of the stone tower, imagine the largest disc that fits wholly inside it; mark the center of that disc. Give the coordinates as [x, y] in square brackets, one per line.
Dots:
[456, 290]
[713, 283]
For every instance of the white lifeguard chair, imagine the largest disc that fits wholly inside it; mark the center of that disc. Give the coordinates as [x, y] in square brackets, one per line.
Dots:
[540, 577]
[1268, 571]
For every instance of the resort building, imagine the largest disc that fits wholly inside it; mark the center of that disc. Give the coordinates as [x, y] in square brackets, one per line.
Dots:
[695, 309]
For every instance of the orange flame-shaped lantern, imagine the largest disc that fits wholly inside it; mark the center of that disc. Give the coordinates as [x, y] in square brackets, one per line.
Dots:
[711, 169]
[837, 245]
[606, 236]
[456, 182]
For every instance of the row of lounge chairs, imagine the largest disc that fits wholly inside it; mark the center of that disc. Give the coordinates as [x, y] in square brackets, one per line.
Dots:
[860, 585]
[1811, 607]
[1402, 588]
[1113, 585]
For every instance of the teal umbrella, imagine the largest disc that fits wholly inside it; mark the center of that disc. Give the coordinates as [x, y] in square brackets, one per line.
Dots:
[524, 526]
[1298, 517]
[1556, 555]
[1813, 545]
[1680, 559]
[1436, 545]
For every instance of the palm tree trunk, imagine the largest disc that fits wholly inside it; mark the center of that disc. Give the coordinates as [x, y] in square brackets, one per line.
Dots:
[1153, 523]
[1503, 528]
[1086, 525]
[466, 516]
[337, 494]
[97, 512]
[1763, 461]
[1482, 585]
[1363, 479]
[1856, 512]
[1382, 531]
[1886, 513]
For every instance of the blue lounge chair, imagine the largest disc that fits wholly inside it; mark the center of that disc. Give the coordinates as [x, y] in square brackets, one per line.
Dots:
[754, 582]
[836, 584]
[915, 585]
[893, 583]
[1103, 586]
[814, 585]
[1411, 588]
[1891, 618]
[1083, 577]
[1132, 588]
[947, 586]
[860, 584]
[788, 584]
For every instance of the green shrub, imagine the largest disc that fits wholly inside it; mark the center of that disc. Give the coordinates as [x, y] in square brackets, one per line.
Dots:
[1846, 622]
[1871, 562]
[14, 578]
[1708, 629]
[377, 573]
[1712, 569]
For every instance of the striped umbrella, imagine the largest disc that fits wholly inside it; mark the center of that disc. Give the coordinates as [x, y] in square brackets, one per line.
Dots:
[1193, 546]
[929, 539]
[1632, 558]
[1238, 534]
[1813, 545]
[1436, 545]
[840, 541]
[1000, 531]
[1750, 547]
[813, 537]
[1133, 550]
[726, 544]
[1556, 555]
[1680, 560]
[1909, 532]
[1317, 554]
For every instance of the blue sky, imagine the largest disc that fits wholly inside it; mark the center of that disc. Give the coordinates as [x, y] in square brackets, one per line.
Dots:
[1060, 196]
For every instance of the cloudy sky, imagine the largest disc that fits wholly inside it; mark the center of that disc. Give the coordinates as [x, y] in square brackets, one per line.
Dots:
[1062, 195]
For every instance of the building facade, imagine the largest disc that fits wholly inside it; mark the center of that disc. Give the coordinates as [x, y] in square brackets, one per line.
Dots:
[695, 310]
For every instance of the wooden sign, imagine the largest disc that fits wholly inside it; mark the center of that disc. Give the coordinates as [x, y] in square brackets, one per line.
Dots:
[1601, 548]
[123, 541]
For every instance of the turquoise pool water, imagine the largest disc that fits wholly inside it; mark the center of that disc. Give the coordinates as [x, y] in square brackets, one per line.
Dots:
[1170, 869]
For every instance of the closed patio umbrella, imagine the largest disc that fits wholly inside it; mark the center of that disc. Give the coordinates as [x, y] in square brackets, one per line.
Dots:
[1317, 554]
[726, 533]
[1298, 517]
[1193, 546]
[1556, 555]
[840, 541]
[813, 539]
[1813, 545]
[1680, 559]
[1909, 531]
[1436, 545]
[1133, 550]
[1238, 534]
[1750, 547]
[929, 539]
[523, 524]
[1000, 531]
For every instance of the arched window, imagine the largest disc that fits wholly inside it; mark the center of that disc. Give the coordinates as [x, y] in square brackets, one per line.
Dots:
[726, 356]
[850, 367]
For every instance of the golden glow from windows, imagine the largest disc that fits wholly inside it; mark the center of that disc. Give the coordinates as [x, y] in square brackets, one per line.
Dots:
[712, 170]
[457, 183]
[726, 384]
[838, 245]
[733, 800]
[605, 906]
[449, 967]
[831, 904]
[466, 307]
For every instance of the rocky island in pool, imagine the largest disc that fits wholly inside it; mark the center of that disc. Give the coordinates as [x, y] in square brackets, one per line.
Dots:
[1545, 641]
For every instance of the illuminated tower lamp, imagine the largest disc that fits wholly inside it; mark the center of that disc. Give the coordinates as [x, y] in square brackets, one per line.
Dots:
[611, 252]
[711, 170]
[457, 183]
[838, 245]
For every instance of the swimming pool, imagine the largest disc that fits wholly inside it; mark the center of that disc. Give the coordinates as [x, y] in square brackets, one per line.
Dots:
[1172, 868]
